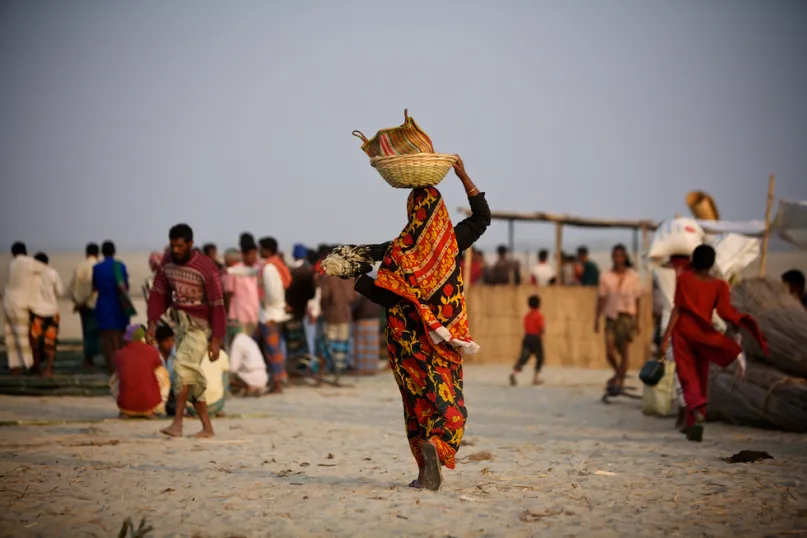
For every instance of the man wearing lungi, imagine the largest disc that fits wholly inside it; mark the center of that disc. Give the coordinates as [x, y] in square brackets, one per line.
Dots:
[16, 312]
[190, 282]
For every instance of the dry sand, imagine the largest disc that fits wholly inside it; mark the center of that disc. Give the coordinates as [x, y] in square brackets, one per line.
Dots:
[335, 462]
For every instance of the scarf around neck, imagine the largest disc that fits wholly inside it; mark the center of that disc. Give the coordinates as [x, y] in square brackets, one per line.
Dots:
[421, 267]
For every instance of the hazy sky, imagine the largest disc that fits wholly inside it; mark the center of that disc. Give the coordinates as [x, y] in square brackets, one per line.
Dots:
[119, 119]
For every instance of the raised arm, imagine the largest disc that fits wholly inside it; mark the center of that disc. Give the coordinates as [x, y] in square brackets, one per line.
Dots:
[472, 228]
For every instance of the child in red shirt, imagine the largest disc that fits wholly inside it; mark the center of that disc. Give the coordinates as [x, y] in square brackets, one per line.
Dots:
[532, 343]
[695, 341]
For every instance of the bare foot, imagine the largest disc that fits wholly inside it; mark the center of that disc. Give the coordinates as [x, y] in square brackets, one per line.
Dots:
[220, 414]
[47, 373]
[204, 434]
[537, 381]
[172, 431]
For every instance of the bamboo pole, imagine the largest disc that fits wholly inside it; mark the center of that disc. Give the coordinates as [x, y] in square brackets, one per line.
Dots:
[511, 236]
[645, 239]
[766, 234]
[559, 252]
[469, 256]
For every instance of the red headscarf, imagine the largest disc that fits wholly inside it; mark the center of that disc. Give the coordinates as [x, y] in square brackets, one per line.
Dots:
[421, 267]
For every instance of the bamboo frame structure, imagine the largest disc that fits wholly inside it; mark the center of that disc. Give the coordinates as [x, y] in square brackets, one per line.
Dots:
[767, 233]
[643, 226]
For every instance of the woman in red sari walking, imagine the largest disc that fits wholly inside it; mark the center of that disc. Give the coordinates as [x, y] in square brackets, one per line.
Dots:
[695, 341]
[420, 284]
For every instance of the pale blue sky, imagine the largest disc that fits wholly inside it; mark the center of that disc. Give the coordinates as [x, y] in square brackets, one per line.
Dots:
[119, 119]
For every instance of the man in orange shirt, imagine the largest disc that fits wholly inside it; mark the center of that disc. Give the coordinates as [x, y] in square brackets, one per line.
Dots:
[532, 344]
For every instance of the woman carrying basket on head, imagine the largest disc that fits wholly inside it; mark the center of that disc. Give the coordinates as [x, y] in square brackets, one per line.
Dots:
[420, 284]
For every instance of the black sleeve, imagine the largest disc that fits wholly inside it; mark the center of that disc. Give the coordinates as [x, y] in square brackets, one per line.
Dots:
[472, 228]
[365, 285]
[377, 251]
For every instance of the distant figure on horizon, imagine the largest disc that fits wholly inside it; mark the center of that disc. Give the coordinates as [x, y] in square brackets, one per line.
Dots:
[618, 300]
[301, 290]
[211, 251]
[505, 270]
[568, 275]
[190, 283]
[532, 344]
[274, 280]
[240, 284]
[543, 274]
[84, 297]
[589, 272]
[336, 300]
[47, 289]
[110, 279]
[794, 281]
[17, 297]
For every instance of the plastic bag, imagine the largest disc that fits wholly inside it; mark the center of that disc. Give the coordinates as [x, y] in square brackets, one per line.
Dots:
[658, 400]
[733, 253]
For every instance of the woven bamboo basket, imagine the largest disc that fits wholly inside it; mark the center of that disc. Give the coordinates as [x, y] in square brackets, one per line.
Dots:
[702, 205]
[413, 171]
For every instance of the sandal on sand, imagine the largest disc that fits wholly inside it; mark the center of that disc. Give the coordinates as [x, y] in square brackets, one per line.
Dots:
[432, 474]
[415, 484]
[695, 432]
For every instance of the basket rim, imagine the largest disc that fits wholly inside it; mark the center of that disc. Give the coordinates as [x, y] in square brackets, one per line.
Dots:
[415, 157]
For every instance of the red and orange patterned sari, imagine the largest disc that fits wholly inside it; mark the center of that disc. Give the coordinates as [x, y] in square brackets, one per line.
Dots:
[427, 331]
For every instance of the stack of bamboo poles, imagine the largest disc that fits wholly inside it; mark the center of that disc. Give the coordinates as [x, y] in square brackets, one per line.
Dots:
[774, 393]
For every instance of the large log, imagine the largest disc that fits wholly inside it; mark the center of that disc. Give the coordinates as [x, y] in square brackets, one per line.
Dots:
[767, 398]
[783, 321]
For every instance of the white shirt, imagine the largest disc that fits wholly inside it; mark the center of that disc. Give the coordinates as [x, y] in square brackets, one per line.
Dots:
[246, 360]
[81, 284]
[543, 273]
[273, 305]
[314, 305]
[19, 290]
[47, 290]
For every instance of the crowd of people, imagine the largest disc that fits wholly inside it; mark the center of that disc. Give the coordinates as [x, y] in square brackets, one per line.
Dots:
[576, 270]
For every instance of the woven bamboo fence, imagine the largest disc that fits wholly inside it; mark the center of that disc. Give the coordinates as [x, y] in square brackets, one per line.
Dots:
[496, 320]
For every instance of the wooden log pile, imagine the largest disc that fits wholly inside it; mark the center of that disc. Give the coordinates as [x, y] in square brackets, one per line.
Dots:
[774, 393]
[783, 321]
[767, 398]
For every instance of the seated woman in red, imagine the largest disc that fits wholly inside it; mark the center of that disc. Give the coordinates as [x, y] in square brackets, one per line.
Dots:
[695, 341]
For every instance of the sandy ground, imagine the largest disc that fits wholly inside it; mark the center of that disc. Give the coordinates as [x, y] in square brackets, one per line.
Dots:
[335, 462]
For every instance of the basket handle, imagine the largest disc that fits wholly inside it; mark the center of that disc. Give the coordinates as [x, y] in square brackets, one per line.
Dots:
[359, 134]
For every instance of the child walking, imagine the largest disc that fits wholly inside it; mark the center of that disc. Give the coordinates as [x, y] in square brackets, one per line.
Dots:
[695, 341]
[532, 343]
